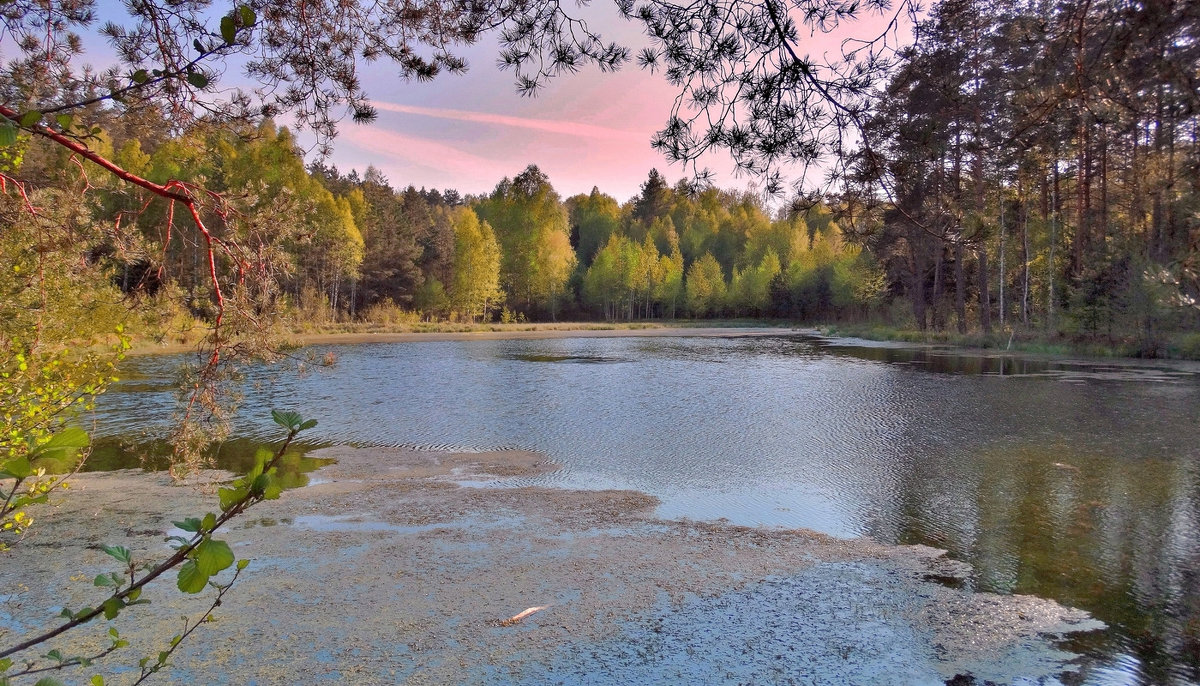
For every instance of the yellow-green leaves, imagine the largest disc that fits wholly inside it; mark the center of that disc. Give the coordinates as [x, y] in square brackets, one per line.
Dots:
[112, 607]
[212, 556]
[62, 445]
[191, 580]
[8, 134]
[207, 559]
[16, 468]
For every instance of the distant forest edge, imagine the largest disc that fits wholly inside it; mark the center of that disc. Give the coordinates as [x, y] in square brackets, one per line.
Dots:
[967, 209]
[365, 252]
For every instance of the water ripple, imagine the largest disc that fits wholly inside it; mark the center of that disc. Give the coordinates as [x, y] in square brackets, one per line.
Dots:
[1072, 479]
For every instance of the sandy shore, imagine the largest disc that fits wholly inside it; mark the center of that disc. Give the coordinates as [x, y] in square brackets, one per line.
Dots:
[388, 569]
[530, 331]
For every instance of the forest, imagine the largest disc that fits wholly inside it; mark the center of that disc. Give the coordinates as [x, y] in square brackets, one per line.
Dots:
[1017, 169]
[1010, 175]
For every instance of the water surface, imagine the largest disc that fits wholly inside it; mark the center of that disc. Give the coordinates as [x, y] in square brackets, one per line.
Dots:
[1075, 480]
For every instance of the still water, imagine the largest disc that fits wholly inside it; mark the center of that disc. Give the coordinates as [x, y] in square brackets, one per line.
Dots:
[1074, 480]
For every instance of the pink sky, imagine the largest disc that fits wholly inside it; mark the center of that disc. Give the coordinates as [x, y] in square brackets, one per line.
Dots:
[467, 132]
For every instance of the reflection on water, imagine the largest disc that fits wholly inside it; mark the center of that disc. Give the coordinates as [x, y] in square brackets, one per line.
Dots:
[1074, 480]
[237, 455]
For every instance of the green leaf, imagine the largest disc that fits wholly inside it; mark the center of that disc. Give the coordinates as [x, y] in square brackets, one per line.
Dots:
[24, 501]
[112, 607]
[97, 680]
[121, 553]
[191, 524]
[5, 664]
[55, 655]
[241, 564]
[210, 521]
[230, 496]
[141, 76]
[247, 15]
[103, 580]
[17, 468]
[197, 79]
[191, 579]
[228, 29]
[82, 613]
[30, 118]
[47, 681]
[212, 556]
[8, 134]
[64, 444]
[288, 420]
[308, 425]
[64, 121]
[261, 482]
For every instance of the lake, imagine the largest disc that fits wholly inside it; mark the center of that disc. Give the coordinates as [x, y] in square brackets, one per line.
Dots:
[1075, 480]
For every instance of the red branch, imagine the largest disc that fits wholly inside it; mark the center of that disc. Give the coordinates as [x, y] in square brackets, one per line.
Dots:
[175, 191]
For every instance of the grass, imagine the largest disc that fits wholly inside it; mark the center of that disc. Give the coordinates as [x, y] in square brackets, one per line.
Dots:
[418, 326]
[176, 334]
[1177, 345]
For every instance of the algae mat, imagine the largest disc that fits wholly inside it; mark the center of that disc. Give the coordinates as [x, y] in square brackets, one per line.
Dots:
[394, 566]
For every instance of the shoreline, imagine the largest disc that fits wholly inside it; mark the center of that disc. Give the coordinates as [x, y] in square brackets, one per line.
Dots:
[547, 332]
[833, 334]
[388, 568]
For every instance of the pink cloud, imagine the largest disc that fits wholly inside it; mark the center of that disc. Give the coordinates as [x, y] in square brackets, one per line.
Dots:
[567, 128]
[398, 152]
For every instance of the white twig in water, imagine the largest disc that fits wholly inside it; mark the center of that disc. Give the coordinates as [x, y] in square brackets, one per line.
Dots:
[522, 615]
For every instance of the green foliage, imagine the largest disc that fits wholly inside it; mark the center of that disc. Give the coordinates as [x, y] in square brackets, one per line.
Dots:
[705, 286]
[594, 217]
[829, 278]
[749, 290]
[61, 337]
[199, 557]
[536, 258]
[475, 288]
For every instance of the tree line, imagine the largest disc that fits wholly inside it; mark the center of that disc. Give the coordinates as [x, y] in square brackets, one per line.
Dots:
[1038, 166]
[351, 247]
[1027, 164]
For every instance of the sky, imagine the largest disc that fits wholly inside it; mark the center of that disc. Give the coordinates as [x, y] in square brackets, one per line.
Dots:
[469, 131]
[583, 130]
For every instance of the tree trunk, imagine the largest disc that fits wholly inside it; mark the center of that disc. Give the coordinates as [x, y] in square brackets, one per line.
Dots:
[1025, 262]
[1003, 255]
[960, 285]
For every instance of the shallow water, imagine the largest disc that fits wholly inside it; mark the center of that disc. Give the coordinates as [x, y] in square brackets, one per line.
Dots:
[1074, 480]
